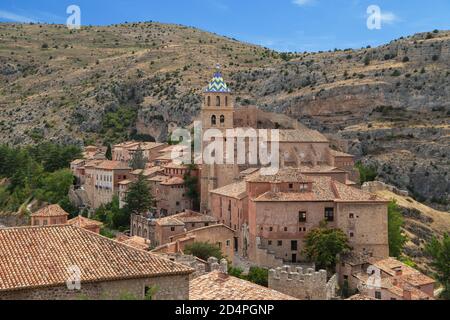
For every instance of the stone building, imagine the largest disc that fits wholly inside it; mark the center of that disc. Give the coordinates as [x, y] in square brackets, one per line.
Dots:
[49, 215]
[303, 285]
[218, 285]
[217, 234]
[159, 231]
[70, 263]
[384, 279]
[102, 180]
[272, 214]
[297, 147]
[125, 151]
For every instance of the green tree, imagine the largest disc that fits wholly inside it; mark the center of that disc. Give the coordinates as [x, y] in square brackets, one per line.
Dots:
[203, 250]
[138, 161]
[259, 276]
[55, 186]
[440, 253]
[366, 174]
[323, 245]
[108, 154]
[395, 222]
[191, 184]
[139, 198]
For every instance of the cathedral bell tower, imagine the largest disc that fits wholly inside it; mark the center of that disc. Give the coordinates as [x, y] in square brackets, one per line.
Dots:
[217, 113]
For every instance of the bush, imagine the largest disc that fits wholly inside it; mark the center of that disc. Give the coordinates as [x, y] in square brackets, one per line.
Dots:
[366, 174]
[204, 250]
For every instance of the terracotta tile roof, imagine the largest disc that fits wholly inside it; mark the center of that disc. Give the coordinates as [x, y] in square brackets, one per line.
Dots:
[145, 146]
[125, 182]
[186, 217]
[40, 257]
[112, 165]
[158, 178]
[236, 190]
[218, 286]
[283, 175]
[137, 242]
[408, 274]
[174, 181]
[340, 154]
[323, 189]
[83, 222]
[361, 297]
[53, 210]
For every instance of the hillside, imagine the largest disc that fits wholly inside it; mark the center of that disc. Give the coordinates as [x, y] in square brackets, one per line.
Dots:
[421, 224]
[138, 80]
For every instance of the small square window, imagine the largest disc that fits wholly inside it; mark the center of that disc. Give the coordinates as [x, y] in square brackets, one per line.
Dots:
[291, 186]
[270, 242]
[351, 216]
[271, 229]
[285, 229]
[280, 243]
[172, 229]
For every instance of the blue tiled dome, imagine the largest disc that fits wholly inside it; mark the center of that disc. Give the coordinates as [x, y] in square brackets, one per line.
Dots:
[217, 84]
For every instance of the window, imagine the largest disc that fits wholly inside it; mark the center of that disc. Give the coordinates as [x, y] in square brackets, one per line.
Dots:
[294, 245]
[219, 244]
[302, 216]
[270, 242]
[285, 229]
[209, 101]
[345, 277]
[291, 186]
[213, 120]
[280, 243]
[303, 187]
[217, 101]
[378, 295]
[271, 229]
[329, 214]
[351, 216]
[222, 119]
[226, 101]
[352, 234]
[228, 243]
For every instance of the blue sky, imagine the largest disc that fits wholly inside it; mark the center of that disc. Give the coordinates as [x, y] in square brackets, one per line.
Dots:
[285, 25]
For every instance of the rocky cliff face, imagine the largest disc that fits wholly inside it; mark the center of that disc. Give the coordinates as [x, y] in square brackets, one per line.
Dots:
[141, 80]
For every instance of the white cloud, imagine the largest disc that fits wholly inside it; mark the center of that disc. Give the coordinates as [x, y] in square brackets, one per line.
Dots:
[10, 16]
[302, 2]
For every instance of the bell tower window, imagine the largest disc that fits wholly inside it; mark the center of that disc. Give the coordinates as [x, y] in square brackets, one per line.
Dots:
[208, 101]
[213, 120]
[226, 101]
[217, 101]
[222, 119]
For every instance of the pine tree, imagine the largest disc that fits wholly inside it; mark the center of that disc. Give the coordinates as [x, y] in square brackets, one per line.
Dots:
[108, 153]
[138, 198]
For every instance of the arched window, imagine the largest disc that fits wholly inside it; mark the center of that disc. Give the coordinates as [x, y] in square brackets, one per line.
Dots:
[209, 101]
[226, 101]
[222, 119]
[217, 101]
[213, 120]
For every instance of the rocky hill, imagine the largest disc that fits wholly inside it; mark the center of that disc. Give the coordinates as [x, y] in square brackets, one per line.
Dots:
[392, 103]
